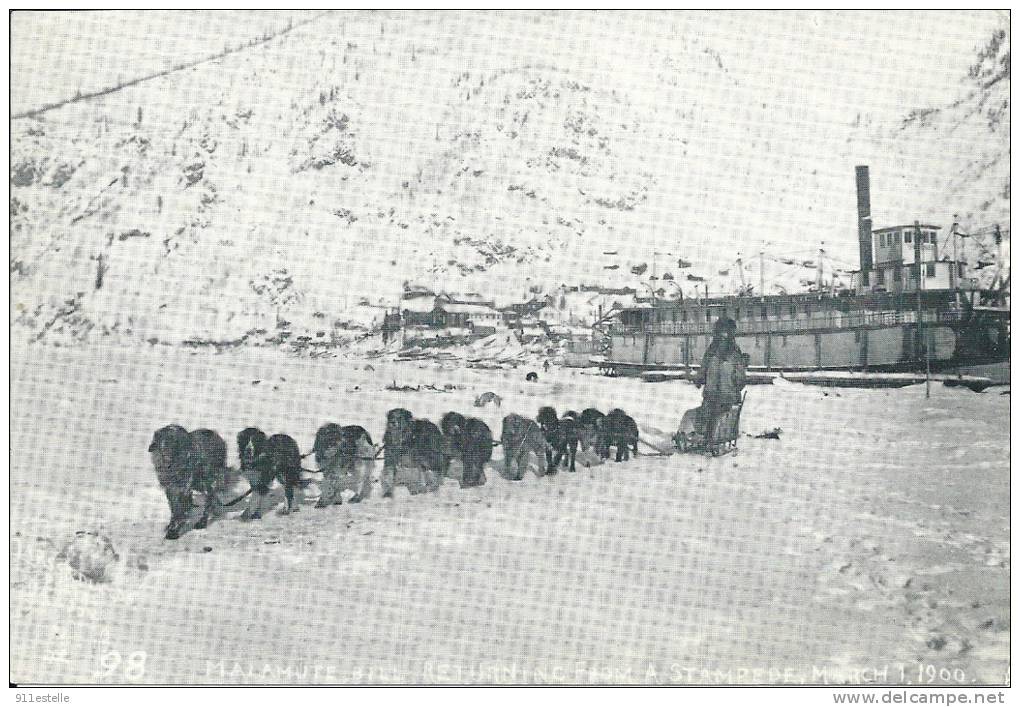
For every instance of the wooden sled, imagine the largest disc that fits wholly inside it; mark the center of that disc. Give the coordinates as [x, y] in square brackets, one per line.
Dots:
[721, 437]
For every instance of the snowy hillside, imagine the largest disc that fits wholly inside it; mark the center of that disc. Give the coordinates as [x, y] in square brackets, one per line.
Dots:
[303, 178]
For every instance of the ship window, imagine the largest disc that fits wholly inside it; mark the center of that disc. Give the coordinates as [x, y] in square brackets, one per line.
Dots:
[907, 237]
[931, 269]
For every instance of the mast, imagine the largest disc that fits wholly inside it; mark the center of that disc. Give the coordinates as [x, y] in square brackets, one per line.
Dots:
[998, 264]
[761, 273]
[954, 281]
[818, 268]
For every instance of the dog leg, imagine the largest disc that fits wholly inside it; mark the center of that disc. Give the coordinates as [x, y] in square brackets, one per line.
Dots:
[518, 459]
[291, 507]
[553, 462]
[418, 485]
[328, 489]
[260, 498]
[540, 456]
[363, 483]
[342, 484]
[173, 530]
[471, 476]
[210, 503]
[178, 512]
[431, 478]
[387, 480]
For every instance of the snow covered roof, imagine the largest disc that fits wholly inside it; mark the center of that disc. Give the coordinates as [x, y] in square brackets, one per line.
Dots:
[469, 298]
[418, 304]
[466, 308]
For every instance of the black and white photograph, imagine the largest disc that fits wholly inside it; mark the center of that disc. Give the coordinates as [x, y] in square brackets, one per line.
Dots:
[510, 348]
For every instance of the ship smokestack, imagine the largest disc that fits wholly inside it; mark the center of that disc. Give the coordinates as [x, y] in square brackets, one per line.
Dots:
[864, 221]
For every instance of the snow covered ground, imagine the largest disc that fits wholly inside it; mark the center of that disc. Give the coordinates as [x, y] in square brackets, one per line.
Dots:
[869, 544]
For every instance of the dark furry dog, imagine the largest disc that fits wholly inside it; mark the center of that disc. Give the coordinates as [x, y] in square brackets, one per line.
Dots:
[591, 431]
[452, 426]
[476, 450]
[326, 437]
[520, 437]
[470, 440]
[414, 442]
[251, 443]
[620, 431]
[566, 439]
[280, 458]
[342, 449]
[549, 423]
[186, 462]
[562, 434]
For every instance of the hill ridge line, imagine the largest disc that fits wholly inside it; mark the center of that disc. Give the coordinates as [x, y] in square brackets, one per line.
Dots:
[166, 72]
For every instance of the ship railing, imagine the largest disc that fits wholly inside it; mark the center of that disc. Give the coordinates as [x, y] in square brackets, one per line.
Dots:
[853, 320]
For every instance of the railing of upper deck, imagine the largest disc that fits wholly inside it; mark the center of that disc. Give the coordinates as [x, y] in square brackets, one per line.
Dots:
[828, 321]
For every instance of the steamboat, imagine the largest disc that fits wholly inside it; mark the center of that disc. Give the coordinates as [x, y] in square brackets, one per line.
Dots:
[908, 308]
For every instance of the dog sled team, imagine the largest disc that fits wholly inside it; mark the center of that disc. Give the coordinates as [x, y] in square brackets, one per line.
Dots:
[197, 461]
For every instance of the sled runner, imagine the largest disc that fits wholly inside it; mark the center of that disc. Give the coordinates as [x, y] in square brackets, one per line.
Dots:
[720, 437]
